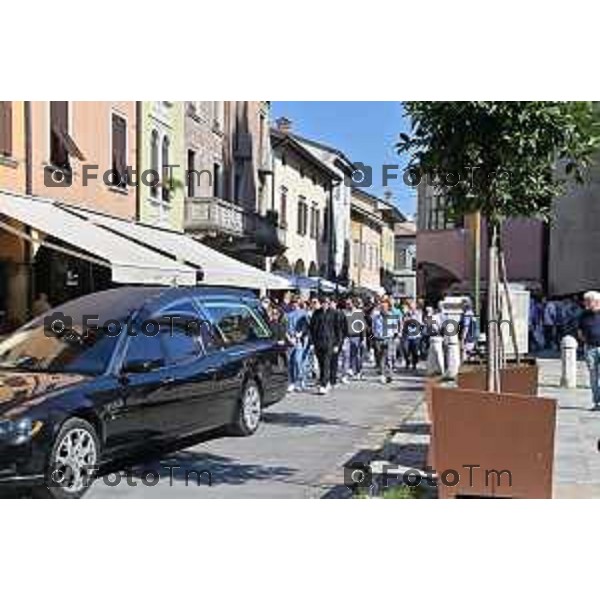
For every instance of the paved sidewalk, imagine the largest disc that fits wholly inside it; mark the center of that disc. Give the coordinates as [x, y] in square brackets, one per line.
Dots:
[576, 456]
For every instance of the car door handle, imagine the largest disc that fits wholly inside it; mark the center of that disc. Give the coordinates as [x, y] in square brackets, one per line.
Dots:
[167, 380]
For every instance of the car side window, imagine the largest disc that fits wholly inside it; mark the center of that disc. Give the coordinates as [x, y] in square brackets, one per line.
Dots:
[143, 348]
[179, 344]
[237, 323]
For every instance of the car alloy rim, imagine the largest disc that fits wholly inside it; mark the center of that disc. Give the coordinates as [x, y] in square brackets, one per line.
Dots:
[251, 407]
[74, 461]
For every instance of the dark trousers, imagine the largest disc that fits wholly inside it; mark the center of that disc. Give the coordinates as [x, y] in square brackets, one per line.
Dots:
[410, 349]
[333, 369]
[324, 358]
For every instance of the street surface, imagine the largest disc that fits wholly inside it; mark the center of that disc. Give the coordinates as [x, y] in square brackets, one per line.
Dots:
[299, 451]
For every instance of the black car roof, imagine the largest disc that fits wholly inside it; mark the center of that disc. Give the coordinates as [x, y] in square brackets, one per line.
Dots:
[119, 303]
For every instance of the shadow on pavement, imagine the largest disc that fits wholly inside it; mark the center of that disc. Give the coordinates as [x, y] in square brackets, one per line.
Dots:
[291, 419]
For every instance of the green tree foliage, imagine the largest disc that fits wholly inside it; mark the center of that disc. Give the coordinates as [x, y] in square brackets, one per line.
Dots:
[501, 158]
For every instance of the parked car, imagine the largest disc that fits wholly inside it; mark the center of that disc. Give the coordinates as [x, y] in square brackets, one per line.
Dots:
[109, 373]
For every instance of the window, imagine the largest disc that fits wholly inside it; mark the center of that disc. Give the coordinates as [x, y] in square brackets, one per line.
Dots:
[364, 255]
[302, 216]
[154, 162]
[216, 180]
[317, 223]
[5, 128]
[59, 128]
[119, 151]
[237, 323]
[283, 208]
[356, 253]
[191, 175]
[325, 224]
[313, 222]
[173, 345]
[166, 196]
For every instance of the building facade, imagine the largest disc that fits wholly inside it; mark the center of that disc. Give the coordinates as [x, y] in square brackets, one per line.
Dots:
[405, 260]
[446, 249]
[228, 203]
[574, 253]
[162, 157]
[366, 249]
[301, 201]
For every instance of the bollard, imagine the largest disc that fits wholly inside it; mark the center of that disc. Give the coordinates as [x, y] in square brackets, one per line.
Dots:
[453, 357]
[568, 359]
[435, 356]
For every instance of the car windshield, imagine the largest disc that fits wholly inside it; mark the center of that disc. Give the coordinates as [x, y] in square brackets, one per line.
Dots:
[33, 348]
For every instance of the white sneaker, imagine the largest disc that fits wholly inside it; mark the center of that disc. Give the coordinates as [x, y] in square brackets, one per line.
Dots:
[344, 380]
[383, 379]
[291, 388]
[350, 373]
[322, 390]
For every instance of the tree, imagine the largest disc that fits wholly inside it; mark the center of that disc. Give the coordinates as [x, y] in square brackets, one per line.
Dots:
[499, 159]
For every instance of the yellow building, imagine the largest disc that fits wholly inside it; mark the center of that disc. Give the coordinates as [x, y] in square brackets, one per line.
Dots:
[366, 247]
[302, 196]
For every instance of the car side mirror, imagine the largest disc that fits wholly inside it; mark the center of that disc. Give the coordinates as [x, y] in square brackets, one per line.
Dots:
[143, 366]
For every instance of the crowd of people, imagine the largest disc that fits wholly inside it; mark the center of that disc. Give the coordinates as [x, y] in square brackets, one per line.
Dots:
[331, 339]
[550, 320]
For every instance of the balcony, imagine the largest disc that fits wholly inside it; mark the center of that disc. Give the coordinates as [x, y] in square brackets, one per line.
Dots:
[234, 226]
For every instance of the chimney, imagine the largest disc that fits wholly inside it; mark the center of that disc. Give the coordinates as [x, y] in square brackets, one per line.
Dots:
[284, 125]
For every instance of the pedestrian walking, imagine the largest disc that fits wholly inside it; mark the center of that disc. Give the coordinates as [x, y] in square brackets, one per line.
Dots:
[298, 339]
[340, 333]
[385, 331]
[357, 328]
[322, 335]
[589, 334]
[412, 324]
[468, 330]
[550, 322]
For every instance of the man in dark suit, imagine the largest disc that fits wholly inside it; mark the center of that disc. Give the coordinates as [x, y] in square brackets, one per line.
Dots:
[323, 336]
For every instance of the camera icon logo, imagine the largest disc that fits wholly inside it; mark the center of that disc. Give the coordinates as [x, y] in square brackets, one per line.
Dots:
[358, 476]
[357, 324]
[57, 324]
[55, 177]
[361, 177]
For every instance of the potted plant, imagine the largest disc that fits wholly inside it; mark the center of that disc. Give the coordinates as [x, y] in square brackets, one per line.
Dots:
[497, 160]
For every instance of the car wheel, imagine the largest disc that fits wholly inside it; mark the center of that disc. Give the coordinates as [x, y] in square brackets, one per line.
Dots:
[249, 410]
[73, 460]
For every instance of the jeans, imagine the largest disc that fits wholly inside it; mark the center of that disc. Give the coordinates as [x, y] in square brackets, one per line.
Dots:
[385, 350]
[410, 349]
[345, 357]
[592, 358]
[297, 365]
[356, 354]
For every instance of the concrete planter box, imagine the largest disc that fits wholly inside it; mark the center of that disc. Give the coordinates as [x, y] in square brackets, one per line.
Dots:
[510, 436]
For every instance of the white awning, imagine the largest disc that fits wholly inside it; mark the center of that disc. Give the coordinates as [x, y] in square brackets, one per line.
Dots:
[129, 262]
[302, 282]
[218, 268]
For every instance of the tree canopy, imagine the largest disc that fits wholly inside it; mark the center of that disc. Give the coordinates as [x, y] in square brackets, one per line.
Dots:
[501, 158]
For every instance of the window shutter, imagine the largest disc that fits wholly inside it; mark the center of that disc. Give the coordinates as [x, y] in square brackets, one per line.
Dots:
[5, 128]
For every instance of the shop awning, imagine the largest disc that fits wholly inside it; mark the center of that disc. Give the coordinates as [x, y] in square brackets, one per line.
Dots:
[129, 262]
[302, 282]
[218, 268]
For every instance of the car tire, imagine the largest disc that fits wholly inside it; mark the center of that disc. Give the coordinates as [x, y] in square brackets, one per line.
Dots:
[72, 462]
[249, 410]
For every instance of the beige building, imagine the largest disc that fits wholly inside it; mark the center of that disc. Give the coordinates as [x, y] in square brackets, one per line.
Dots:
[366, 225]
[301, 201]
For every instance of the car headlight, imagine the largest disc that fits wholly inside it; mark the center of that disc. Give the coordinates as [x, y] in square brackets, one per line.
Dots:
[19, 429]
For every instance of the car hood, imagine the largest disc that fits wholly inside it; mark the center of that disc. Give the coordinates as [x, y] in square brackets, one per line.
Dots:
[19, 390]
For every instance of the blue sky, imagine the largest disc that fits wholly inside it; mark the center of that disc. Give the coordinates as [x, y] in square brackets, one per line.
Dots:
[365, 131]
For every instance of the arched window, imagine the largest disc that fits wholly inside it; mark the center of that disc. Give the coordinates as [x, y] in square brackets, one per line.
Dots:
[154, 161]
[300, 269]
[165, 171]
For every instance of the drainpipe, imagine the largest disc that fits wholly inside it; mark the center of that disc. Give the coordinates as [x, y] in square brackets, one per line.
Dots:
[28, 246]
[138, 159]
